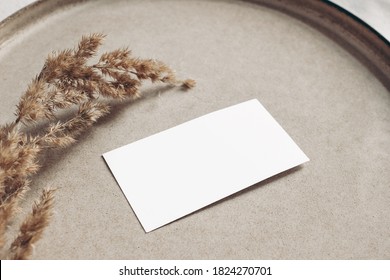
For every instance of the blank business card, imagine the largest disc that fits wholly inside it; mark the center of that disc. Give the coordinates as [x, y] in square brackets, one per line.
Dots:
[182, 169]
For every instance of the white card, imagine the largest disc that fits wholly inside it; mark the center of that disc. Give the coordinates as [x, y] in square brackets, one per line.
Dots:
[180, 170]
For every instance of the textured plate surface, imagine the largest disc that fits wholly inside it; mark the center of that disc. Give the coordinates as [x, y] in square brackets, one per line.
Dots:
[332, 105]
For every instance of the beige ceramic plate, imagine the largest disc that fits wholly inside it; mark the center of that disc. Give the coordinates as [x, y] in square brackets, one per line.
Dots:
[322, 75]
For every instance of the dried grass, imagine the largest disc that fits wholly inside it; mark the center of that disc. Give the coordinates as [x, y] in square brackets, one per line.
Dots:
[66, 80]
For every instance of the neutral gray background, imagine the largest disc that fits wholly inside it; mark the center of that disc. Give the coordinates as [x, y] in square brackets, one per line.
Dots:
[337, 111]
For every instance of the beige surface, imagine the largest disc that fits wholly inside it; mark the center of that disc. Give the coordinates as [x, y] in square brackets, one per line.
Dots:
[337, 111]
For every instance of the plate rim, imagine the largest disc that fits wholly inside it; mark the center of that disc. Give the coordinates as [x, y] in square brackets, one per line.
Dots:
[326, 17]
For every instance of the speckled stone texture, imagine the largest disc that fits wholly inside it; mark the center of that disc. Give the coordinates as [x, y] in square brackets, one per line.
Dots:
[338, 112]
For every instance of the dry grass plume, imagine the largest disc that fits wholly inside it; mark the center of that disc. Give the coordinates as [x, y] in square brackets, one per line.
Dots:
[66, 80]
